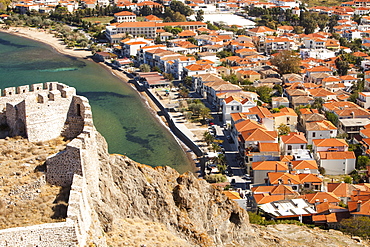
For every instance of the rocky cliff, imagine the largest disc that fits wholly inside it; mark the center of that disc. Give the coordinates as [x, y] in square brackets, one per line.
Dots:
[148, 206]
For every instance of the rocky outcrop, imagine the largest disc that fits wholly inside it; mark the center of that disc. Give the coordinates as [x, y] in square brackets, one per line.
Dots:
[189, 207]
[142, 205]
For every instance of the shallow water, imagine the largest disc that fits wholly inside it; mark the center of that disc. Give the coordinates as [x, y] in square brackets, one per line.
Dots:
[119, 113]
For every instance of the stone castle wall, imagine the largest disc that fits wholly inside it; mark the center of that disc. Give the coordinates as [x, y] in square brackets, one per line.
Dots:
[43, 112]
[38, 111]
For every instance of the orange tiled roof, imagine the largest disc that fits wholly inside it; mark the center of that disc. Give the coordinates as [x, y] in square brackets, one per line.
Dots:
[269, 166]
[337, 155]
[320, 125]
[339, 189]
[304, 164]
[309, 178]
[294, 138]
[285, 178]
[267, 198]
[269, 147]
[124, 13]
[259, 135]
[331, 142]
[321, 197]
[232, 195]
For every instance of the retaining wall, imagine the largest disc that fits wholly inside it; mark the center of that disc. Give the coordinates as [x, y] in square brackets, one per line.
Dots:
[187, 141]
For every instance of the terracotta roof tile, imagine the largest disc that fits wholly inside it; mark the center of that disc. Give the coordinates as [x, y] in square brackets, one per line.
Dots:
[294, 138]
[337, 155]
[269, 166]
[321, 197]
[304, 164]
[285, 178]
[331, 142]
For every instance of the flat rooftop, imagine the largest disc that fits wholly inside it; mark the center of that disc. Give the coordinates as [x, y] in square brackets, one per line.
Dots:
[355, 121]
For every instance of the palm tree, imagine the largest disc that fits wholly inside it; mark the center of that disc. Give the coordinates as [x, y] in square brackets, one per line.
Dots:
[220, 161]
[216, 147]
[208, 137]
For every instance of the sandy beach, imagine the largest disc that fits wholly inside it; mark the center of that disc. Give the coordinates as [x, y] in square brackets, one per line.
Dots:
[45, 37]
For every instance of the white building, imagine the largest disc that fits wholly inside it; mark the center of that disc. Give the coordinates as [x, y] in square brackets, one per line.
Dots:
[320, 130]
[124, 16]
[291, 142]
[233, 105]
[337, 163]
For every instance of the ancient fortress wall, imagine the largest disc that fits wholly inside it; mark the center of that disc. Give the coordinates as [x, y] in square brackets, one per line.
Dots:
[43, 112]
[38, 112]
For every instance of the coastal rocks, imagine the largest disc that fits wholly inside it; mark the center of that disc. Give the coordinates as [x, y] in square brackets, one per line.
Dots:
[189, 207]
[145, 206]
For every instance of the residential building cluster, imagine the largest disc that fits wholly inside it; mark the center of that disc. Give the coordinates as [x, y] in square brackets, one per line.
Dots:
[304, 132]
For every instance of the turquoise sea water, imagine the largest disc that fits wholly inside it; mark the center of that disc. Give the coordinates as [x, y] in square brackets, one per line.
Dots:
[119, 114]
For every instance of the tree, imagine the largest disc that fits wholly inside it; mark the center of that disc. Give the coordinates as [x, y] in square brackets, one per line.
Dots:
[180, 7]
[224, 53]
[204, 113]
[144, 67]
[184, 92]
[265, 93]
[359, 226]
[83, 44]
[208, 137]
[216, 147]
[317, 104]
[287, 62]
[362, 162]
[199, 16]
[145, 10]
[308, 21]
[278, 88]
[196, 108]
[283, 129]
[347, 180]
[178, 17]
[342, 66]
[332, 117]
[188, 81]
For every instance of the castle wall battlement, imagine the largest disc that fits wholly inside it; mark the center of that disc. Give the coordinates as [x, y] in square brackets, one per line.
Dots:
[38, 111]
[43, 112]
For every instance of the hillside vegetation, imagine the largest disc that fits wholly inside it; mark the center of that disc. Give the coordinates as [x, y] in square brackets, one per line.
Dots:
[25, 198]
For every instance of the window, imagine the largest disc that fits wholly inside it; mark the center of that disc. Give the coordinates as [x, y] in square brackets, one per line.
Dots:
[294, 187]
[302, 146]
[289, 147]
[232, 108]
[314, 134]
[78, 110]
[306, 185]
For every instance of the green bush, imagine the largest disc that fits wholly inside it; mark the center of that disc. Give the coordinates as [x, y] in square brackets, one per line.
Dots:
[215, 178]
[259, 220]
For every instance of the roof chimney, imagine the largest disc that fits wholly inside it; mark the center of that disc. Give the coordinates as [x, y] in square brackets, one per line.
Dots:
[359, 206]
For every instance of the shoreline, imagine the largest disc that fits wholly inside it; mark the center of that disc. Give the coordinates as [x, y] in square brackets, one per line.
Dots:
[43, 36]
[153, 108]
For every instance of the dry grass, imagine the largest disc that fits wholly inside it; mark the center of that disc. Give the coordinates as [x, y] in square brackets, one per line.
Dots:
[25, 198]
[137, 232]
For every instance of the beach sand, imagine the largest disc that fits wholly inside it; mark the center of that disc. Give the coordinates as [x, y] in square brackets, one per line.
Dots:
[46, 37]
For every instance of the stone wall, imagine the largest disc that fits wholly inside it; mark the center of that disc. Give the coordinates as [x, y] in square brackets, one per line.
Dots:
[48, 235]
[43, 112]
[38, 111]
